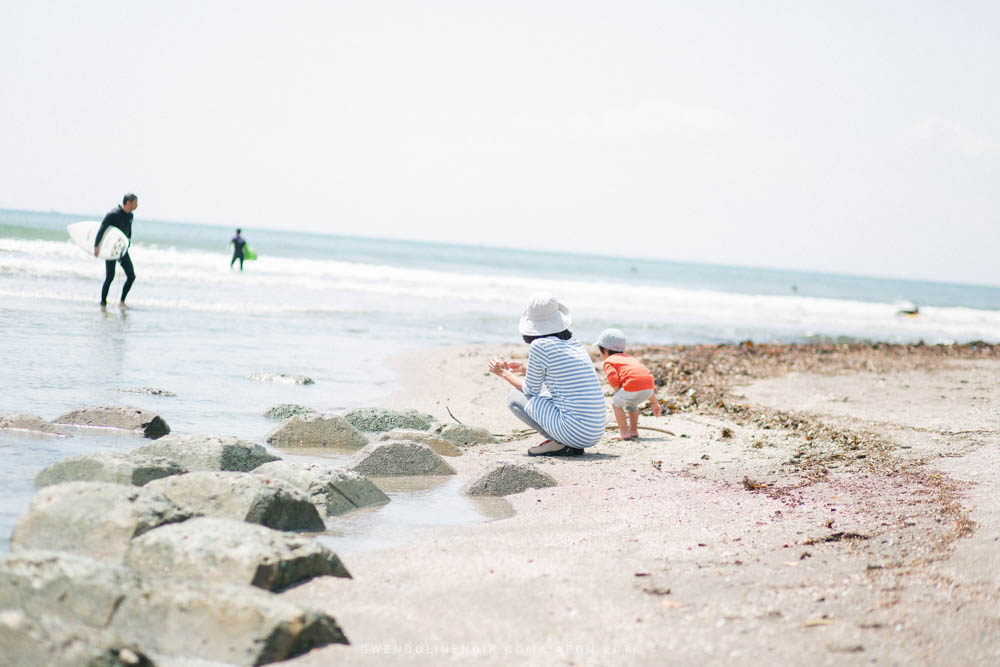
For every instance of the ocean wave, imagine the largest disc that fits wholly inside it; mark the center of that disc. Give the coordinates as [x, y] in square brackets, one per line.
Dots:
[184, 279]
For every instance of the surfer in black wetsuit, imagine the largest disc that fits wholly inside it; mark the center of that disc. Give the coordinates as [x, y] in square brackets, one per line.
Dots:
[238, 244]
[120, 217]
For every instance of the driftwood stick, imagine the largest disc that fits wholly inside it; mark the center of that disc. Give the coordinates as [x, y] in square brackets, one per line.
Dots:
[452, 416]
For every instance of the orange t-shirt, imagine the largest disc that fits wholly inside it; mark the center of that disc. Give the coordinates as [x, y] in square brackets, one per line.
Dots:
[626, 372]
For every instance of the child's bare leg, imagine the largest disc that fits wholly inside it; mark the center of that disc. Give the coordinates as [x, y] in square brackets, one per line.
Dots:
[633, 424]
[622, 421]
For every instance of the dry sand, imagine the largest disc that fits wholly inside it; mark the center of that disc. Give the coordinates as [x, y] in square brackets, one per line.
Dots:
[812, 506]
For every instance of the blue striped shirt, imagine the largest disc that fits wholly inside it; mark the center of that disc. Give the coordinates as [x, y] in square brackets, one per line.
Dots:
[564, 394]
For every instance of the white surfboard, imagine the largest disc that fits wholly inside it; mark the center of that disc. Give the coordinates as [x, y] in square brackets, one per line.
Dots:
[114, 243]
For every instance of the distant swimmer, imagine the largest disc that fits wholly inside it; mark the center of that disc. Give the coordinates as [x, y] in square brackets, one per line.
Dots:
[915, 310]
[238, 244]
[120, 217]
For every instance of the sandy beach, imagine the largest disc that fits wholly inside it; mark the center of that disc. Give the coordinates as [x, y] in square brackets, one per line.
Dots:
[799, 505]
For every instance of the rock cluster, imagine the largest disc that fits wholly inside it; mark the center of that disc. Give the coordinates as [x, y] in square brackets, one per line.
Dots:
[176, 548]
[75, 606]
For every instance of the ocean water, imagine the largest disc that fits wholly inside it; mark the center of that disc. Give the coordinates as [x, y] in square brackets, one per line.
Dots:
[334, 308]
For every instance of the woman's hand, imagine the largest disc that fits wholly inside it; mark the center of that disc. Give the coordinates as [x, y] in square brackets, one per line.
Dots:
[516, 366]
[498, 365]
[503, 368]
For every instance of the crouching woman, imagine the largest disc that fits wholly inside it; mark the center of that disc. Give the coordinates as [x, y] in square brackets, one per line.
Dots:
[559, 394]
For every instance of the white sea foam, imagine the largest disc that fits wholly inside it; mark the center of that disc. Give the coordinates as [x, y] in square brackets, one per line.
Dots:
[200, 281]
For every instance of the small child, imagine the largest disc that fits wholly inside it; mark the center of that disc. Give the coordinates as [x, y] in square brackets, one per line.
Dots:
[632, 382]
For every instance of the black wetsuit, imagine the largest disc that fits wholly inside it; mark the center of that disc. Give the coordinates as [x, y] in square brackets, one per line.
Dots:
[122, 220]
[238, 244]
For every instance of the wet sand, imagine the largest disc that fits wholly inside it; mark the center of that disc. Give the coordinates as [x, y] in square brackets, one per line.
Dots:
[809, 505]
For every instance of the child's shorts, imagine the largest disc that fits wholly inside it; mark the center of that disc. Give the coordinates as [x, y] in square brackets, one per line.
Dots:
[630, 400]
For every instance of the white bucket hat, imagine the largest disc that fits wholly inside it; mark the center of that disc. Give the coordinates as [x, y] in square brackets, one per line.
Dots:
[543, 316]
[611, 339]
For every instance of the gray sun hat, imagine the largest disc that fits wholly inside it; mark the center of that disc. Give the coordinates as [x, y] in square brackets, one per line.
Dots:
[611, 339]
[543, 316]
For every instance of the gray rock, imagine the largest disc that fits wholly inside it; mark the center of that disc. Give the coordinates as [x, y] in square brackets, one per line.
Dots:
[241, 496]
[73, 588]
[209, 452]
[435, 442]
[507, 479]
[286, 410]
[53, 643]
[125, 418]
[22, 421]
[232, 552]
[231, 624]
[239, 625]
[399, 459]
[172, 617]
[280, 378]
[149, 391]
[135, 469]
[463, 436]
[316, 431]
[376, 420]
[94, 519]
[333, 490]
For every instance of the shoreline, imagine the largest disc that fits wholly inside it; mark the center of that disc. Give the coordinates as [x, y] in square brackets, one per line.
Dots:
[826, 503]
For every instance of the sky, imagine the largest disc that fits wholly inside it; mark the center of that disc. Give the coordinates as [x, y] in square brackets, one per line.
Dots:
[844, 136]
